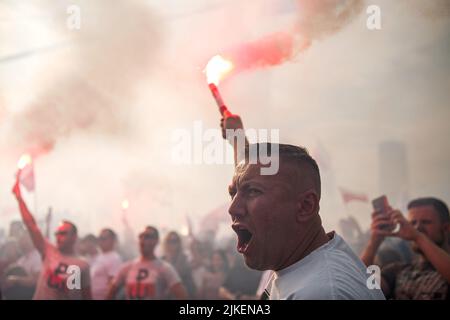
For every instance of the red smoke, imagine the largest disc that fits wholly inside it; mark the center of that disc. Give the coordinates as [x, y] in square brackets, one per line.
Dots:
[314, 20]
[268, 51]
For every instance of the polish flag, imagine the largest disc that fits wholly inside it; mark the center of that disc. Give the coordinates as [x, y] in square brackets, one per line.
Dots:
[26, 172]
[349, 196]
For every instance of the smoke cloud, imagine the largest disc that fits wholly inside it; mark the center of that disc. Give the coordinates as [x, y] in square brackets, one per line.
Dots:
[106, 98]
[315, 21]
[103, 62]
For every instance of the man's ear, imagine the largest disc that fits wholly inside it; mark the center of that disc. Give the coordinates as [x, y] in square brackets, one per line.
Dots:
[307, 205]
[446, 229]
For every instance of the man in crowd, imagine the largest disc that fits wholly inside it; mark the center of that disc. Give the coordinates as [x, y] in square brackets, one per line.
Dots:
[63, 275]
[106, 265]
[427, 228]
[241, 282]
[147, 277]
[30, 265]
[276, 219]
[87, 248]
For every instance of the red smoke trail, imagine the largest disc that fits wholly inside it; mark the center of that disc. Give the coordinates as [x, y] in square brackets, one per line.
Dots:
[315, 20]
[268, 51]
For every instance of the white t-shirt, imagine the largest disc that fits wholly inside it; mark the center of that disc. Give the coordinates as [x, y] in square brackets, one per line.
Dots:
[331, 272]
[105, 267]
[197, 275]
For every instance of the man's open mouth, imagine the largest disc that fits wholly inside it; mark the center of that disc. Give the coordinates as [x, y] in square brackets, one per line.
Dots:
[244, 237]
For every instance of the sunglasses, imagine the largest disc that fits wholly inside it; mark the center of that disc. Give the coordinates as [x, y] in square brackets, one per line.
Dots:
[61, 233]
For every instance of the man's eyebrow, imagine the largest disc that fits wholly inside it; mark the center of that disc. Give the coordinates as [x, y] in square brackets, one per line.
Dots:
[235, 184]
[246, 184]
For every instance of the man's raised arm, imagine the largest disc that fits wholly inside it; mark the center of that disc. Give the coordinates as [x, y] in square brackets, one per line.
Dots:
[28, 219]
[233, 131]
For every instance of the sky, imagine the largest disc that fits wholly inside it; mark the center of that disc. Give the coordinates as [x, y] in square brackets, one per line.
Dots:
[99, 105]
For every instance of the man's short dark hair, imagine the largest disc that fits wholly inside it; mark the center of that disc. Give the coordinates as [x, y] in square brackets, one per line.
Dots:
[111, 233]
[90, 238]
[438, 205]
[154, 229]
[72, 225]
[297, 155]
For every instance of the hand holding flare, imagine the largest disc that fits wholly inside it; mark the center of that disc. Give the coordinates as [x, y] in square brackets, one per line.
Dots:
[16, 189]
[215, 70]
[24, 161]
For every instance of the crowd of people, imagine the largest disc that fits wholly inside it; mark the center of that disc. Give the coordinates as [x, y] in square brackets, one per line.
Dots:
[283, 251]
[31, 267]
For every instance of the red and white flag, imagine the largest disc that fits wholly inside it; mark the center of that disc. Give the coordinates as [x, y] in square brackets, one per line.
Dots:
[349, 196]
[27, 178]
[26, 172]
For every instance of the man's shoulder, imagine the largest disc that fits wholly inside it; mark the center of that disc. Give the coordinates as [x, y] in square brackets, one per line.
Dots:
[342, 259]
[334, 288]
[127, 265]
[342, 274]
[163, 265]
[331, 272]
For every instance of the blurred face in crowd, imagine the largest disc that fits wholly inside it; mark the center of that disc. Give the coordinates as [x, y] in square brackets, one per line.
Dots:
[172, 244]
[16, 229]
[10, 252]
[148, 240]
[26, 245]
[87, 246]
[196, 252]
[217, 262]
[106, 241]
[426, 220]
[65, 237]
[271, 214]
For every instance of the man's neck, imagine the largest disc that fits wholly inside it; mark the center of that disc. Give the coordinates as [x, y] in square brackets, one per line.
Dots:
[148, 257]
[311, 243]
[318, 240]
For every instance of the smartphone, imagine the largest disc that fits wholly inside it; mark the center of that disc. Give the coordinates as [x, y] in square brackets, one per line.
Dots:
[380, 204]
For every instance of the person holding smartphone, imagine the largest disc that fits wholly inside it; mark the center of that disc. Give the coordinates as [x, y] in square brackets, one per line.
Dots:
[427, 228]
